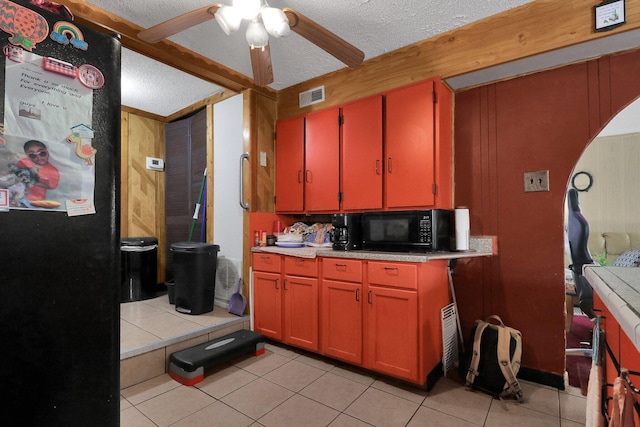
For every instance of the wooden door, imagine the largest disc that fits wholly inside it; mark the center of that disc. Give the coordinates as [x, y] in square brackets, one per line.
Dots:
[361, 160]
[185, 161]
[301, 312]
[410, 147]
[341, 314]
[290, 165]
[322, 152]
[267, 304]
[392, 332]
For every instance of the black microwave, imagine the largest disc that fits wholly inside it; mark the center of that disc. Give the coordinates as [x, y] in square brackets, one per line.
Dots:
[409, 231]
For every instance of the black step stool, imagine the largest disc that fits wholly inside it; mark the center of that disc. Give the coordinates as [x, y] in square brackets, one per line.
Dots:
[187, 366]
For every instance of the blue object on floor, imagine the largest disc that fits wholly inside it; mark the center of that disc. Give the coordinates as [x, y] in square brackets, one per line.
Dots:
[187, 366]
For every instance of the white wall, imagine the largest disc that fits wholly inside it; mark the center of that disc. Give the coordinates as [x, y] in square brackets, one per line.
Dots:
[626, 121]
[613, 201]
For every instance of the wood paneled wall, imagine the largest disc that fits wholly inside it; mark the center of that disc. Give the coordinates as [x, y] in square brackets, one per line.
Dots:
[534, 28]
[612, 202]
[536, 122]
[142, 199]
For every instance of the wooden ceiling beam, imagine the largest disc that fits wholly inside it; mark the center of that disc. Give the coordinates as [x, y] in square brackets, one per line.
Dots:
[164, 51]
[534, 28]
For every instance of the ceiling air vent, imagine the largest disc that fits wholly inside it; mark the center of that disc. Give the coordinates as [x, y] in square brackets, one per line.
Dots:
[311, 96]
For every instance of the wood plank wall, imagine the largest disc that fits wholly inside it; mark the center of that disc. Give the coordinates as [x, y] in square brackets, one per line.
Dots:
[142, 199]
[534, 28]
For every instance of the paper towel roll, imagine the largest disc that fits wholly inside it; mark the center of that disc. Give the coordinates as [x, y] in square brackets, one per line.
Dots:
[462, 229]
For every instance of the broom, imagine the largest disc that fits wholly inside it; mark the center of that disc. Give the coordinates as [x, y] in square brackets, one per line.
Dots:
[197, 210]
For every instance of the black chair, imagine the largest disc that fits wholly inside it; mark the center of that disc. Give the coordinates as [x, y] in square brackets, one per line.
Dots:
[578, 235]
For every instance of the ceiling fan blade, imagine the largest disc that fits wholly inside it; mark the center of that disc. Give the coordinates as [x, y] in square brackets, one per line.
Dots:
[179, 23]
[261, 64]
[324, 39]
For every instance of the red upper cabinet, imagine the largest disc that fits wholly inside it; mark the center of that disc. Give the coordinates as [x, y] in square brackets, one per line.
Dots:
[390, 151]
[410, 147]
[362, 168]
[290, 165]
[322, 152]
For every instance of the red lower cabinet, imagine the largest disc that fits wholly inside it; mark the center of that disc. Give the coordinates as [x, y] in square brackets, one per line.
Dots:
[383, 316]
[341, 309]
[301, 312]
[392, 332]
[286, 302]
[267, 295]
[623, 349]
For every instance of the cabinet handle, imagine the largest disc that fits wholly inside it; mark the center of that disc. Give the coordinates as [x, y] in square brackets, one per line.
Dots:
[369, 297]
[389, 165]
[299, 261]
[300, 177]
[377, 167]
[266, 258]
[276, 284]
[243, 204]
[342, 267]
[357, 294]
[284, 284]
[392, 270]
[307, 176]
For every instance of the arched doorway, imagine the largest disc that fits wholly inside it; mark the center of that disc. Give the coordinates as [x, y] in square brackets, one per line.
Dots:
[605, 178]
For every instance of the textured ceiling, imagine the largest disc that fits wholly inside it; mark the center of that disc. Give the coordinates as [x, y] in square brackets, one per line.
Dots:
[374, 26]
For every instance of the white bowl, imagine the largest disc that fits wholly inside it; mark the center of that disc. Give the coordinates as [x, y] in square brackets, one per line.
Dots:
[289, 237]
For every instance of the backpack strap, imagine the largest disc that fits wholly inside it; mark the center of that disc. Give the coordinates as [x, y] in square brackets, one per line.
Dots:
[475, 357]
[496, 318]
[512, 386]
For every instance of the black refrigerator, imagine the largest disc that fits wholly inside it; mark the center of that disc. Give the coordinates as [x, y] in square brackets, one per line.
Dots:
[59, 218]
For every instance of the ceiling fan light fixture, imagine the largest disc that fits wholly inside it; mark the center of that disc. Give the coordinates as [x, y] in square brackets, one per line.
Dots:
[257, 36]
[249, 9]
[229, 19]
[275, 21]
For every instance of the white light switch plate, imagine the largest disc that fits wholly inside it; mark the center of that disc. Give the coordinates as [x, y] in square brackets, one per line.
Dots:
[263, 158]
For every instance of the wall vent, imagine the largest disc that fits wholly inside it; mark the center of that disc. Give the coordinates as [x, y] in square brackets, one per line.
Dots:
[311, 96]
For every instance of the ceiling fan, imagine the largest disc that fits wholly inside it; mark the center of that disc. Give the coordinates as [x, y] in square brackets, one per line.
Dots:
[263, 21]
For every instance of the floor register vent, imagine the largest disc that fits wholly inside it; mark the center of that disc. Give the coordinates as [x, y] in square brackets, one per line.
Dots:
[311, 96]
[449, 337]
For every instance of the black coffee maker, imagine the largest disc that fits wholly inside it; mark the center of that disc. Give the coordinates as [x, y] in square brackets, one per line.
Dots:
[346, 234]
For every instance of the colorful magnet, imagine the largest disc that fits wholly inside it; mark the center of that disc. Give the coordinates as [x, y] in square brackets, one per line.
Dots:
[60, 9]
[65, 32]
[81, 137]
[14, 53]
[90, 76]
[27, 28]
[60, 67]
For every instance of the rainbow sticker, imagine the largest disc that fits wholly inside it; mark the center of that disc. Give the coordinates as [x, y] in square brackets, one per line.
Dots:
[65, 32]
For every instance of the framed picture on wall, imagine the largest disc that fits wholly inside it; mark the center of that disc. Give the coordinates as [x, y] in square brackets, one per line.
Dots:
[609, 14]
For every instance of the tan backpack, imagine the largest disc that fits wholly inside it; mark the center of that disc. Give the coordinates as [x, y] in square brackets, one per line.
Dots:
[495, 359]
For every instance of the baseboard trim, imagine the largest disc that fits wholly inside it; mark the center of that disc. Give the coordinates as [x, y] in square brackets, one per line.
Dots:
[540, 377]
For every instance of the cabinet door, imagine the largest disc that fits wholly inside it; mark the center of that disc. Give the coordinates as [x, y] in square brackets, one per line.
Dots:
[392, 337]
[409, 147]
[290, 165]
[361, 166]
[341, 310]
[322, 151]
[267, 304]
[301, 312]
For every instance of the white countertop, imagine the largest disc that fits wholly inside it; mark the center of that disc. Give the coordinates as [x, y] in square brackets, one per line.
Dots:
[619, 289]
[479, 246]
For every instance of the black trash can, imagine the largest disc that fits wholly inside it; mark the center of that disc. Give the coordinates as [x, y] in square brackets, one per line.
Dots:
[194, 274]
[139, 259]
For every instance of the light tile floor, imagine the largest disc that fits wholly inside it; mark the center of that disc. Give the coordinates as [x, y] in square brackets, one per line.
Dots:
[290, 387]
